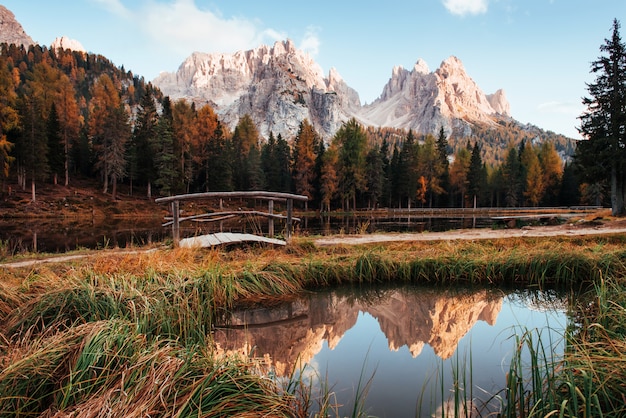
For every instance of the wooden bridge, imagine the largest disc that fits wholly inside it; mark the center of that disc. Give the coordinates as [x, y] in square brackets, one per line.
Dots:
[226, 238]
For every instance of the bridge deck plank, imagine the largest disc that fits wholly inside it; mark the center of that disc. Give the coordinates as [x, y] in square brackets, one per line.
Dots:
[223, 238]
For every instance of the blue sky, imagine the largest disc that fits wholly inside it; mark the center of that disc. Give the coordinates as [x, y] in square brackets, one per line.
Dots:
[538, 51]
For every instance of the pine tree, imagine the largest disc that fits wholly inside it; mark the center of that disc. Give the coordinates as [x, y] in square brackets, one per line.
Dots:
[552, 169]
[476, 175]
[511, 174]
[56, 155]
[406, 170]
[282, 159]
[304, 159]
[603, 154]
[430, 167]
[109, 131]
[33, 146]
[245, 139]
[444, 180]
[144, 143]
[9, 120]
[375, 177]
[268, 151]
[351, 142]
[459, 175]
[165, 160]
[183, 116]
[534, 186]
[329, 178]
[569, 194]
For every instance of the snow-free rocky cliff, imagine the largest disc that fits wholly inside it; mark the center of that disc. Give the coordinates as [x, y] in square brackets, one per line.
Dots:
[279, 86]
[11, 30]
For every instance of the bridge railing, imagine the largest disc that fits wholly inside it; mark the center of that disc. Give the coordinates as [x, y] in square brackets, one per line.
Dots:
[271, 197]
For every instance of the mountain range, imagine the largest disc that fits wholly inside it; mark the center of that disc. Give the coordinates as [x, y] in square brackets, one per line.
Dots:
[280, 85]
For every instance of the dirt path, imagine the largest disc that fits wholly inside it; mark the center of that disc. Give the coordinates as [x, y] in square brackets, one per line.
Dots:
[477, 234]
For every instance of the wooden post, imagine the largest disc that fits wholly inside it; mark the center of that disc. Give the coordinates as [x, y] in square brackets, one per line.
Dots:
[270, 222]
[175, 223]
[289, 210]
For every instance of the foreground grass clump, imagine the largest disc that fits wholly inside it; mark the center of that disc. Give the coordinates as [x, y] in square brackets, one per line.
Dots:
[107, 368]
[130, 334]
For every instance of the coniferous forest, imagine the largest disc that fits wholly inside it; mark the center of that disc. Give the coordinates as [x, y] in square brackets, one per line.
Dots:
[67, 115]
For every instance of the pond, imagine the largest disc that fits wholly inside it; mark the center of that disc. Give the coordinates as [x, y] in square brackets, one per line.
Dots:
[54, 235]
[397, 349]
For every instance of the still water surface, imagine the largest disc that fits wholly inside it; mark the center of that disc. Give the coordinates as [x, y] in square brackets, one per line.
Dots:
[54, 235]
[404, 341]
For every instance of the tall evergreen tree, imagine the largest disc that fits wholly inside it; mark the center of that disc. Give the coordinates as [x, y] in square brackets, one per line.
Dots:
[268, 152]
[144, 143]
[304, 159]
[386, 162]
[552, 170]
[56, 155]
[533, 187]
[33, 144]
[183, 116]
[430, 167]
[245, 139]
[442, 149]
[406, 170]
[9, 120]
[219, 161]
[282, 159]
[511, 173]
[351, 142]
[603, 154]
[476, 175]
[165, 160]
[375, 177]
[109, 131]
[329, 180]
[459, 182]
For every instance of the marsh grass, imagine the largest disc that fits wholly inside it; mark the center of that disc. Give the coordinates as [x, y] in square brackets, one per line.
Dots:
[131, 332]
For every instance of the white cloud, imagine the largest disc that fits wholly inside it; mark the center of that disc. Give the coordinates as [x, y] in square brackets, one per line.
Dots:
[311, 42]
[181, 26]
[464, 7]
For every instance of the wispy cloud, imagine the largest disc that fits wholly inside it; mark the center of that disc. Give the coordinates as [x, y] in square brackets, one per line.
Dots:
[180, 25]
[311, 42]
[563, 108]
[465, 7]
[114, 6]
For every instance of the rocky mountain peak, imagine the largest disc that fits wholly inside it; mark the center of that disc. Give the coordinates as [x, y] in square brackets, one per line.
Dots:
[64, 42]
[500, 103]
[425, 101]
[280, 85]
[11, 31]
[421, 67]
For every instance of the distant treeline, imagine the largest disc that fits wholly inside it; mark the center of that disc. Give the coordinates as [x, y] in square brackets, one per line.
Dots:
[65, 114]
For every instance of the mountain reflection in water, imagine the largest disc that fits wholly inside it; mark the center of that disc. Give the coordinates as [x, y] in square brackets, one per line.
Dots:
[400, 336]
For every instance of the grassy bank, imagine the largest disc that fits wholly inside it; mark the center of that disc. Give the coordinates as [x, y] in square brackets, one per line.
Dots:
[129, 334]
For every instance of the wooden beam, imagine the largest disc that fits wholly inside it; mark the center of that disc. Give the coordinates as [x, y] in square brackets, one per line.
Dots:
[249, 195]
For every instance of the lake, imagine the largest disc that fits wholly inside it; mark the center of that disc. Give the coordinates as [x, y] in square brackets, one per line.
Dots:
[57, 235]
[407, 342]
